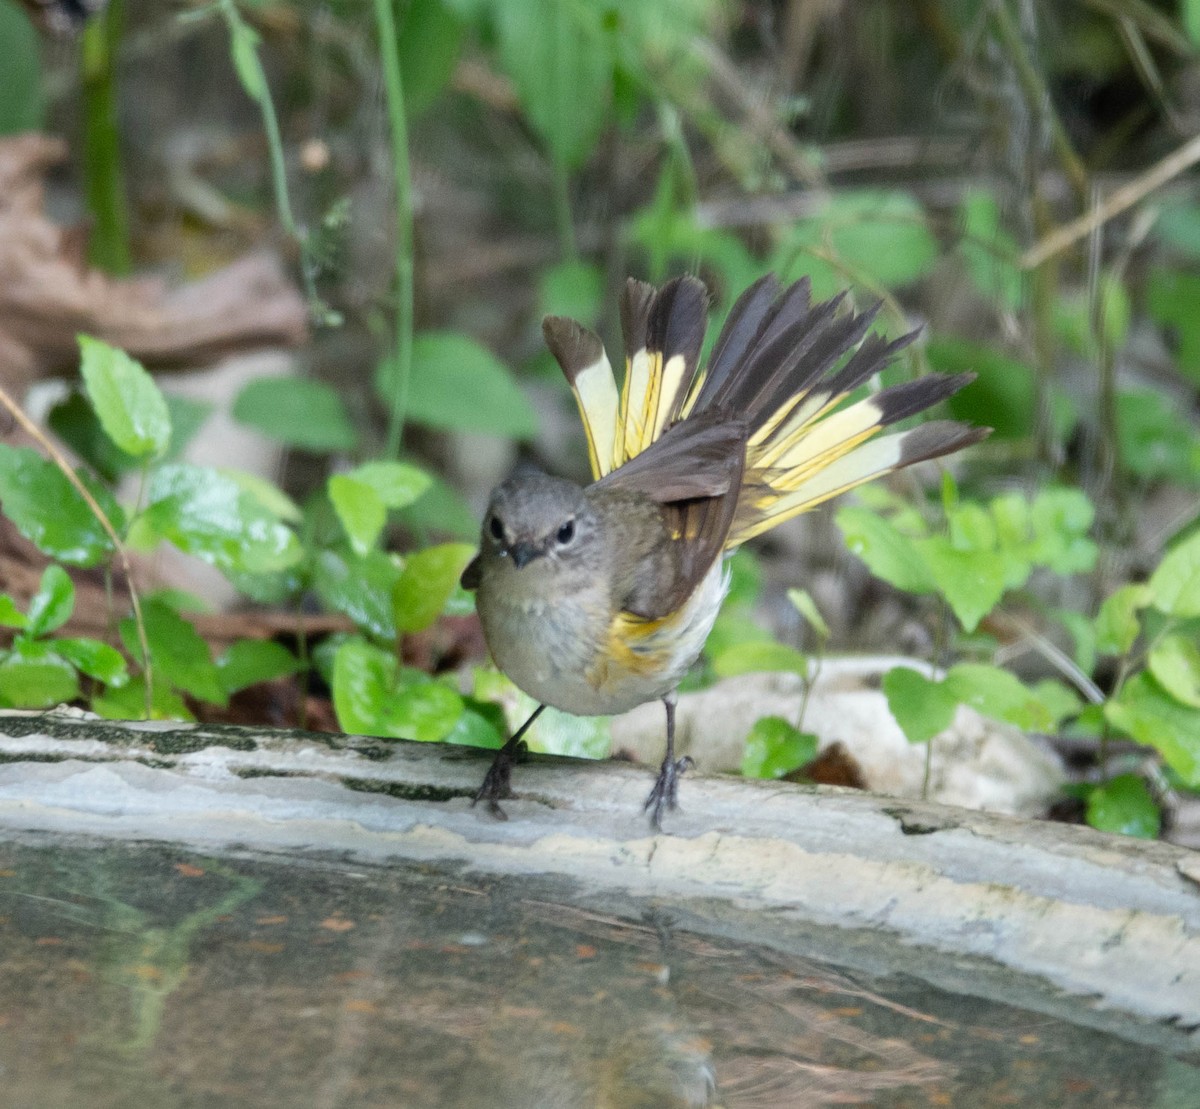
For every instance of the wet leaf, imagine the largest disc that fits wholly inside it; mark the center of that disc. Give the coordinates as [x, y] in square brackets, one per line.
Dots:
[775, 747]
[1124, 806]
[51, 606]
[426, 583]
[128, 404]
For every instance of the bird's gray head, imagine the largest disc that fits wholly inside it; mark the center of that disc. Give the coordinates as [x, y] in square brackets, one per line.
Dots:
[536, 519]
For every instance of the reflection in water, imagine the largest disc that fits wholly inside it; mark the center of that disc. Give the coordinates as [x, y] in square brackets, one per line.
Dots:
[148, 976]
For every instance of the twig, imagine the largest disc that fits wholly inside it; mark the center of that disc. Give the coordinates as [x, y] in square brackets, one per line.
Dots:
[61, 462]
[1125, 197]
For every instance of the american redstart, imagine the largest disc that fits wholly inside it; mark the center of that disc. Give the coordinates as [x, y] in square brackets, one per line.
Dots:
[598, 599]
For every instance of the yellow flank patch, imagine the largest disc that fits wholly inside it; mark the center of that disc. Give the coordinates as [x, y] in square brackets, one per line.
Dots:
[628, 650]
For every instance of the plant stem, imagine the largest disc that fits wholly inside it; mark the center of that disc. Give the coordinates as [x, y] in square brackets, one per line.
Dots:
[562, 212]
[108, 248]
[389, 55]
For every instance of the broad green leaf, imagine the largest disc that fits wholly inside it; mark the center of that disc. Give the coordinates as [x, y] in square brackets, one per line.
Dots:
[426, 583]
[879, 235]
[32, 677]
[266, 492]
[442, 511]
[460, 385]
[888, 553]
[993, 692]
[374, 695]
[1061, 519]
[1175, 585]
[1145, 711]
[51, 606]
[430, 38]
[1117, 625]
[922, 707]
[971, 581]
[128, 702]
[1171, 297]
[298, 412]
[1059, 701]
[1124, 806]
[1175, 662]
[1178, 224]
[10, 615]
[479, 728]
[557, 55]
[360, 588]
[397, 484]
[573, 289]
[208, 515]
[804, 604]
[1157, 439]
[22, 104]
[128, 404]
[180, 656]
[1003, 396]
[46, 509]
[360, 510]
[95, 659]
[758, 657]
[775, 748]
[250, 661]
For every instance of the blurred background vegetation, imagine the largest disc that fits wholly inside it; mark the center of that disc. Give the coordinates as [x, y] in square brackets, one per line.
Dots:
[438, 174]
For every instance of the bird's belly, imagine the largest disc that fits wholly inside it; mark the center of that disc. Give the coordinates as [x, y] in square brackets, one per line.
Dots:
[564, 656]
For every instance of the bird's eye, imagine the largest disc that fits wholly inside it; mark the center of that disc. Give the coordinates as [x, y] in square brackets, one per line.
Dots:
[566, 533]
[496, 528]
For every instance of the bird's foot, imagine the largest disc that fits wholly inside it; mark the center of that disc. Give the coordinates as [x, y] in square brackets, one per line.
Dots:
[497, 782]
[665, 793]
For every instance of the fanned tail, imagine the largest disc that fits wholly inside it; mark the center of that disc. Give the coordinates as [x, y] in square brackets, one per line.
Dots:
[775, 388]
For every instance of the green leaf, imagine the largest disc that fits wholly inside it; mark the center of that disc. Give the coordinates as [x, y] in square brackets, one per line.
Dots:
[922, 707]
[1175, 662]
[1004, 394]
[250, 661]
[572, 289]
[397, 484]
[557, 56]
[759, 657]
[1058, 701]
[95, 659]
[208, 515]
[1171, 298]
[804, 604]
[360, 588]
[51, 606]
[46, 509]
[774, 748]
[266, 493]
[993, 692]
[426, 583]
[374, 695]
[880, 235]
[179, 654]
[443, 511]
[1117, 625]
[297, 412]
[971, 581]
[1124, 806]
[10, 615]
[130, 407]
[1145, 711]
[430, 39]
[129, 702]
[479, 727]
[360, 510]
[34, 677]
[22, 105]
[458, 384]
[1175, 584]
[888, 553]
[1157, 439]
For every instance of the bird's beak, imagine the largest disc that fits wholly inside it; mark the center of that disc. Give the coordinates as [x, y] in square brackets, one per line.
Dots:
[523, 554]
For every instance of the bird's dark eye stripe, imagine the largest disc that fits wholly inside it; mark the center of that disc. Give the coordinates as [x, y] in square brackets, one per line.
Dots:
[496, 528]
[567, 532]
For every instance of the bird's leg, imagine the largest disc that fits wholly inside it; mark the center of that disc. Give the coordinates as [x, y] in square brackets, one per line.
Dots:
[496, 783]
[666, 785]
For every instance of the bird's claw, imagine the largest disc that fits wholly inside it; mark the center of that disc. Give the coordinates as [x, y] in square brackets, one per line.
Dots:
[665, 794]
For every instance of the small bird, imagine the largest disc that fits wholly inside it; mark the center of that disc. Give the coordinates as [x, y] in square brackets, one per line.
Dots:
[595, 600]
